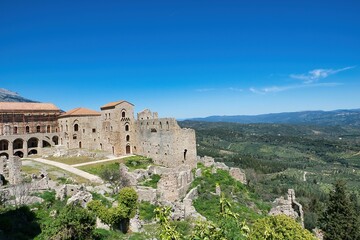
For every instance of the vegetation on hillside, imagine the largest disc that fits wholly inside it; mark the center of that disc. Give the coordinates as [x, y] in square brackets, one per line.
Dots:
[277, 157]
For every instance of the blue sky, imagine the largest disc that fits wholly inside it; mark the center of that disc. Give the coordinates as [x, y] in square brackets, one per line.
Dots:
[184, 58]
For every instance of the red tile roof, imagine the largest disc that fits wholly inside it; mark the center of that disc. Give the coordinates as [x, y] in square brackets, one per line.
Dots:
[27, 106]
[113, 104]
[80, 112]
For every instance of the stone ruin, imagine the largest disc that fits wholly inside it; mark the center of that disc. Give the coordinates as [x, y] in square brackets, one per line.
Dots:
[10, 170]
[237, 173]
[289, 207]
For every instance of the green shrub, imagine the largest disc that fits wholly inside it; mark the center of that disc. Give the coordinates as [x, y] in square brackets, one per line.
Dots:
[279, 227]
[146, 210]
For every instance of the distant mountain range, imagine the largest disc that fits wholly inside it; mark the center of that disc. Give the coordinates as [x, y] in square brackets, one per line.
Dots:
[328, 118]
[9, 96]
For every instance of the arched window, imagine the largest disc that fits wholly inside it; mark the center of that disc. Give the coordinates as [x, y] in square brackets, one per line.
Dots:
[38, 129]
[76, 127]
[127, 128]
[48, 129]
[127, 138]
[27, 129]
[123, 114]
[15, 130]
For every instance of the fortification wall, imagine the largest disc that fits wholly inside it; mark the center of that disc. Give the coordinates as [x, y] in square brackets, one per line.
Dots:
[165, 142]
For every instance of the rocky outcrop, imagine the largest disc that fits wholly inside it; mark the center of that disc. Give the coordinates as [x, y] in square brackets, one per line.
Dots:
[82, 198]
[289, 207]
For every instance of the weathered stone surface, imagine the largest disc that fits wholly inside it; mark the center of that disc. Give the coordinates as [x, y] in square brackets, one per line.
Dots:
[238, 175]
[101, 225]
[146, 194]
[68, 190]
[82, 198]
[198, 172]
[288, 206]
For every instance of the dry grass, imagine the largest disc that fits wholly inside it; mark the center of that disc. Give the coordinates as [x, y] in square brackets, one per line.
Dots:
[31, 167]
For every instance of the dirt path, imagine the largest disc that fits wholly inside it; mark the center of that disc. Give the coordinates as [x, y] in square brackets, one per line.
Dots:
[71, 169]
[100, 161]
[305, 176]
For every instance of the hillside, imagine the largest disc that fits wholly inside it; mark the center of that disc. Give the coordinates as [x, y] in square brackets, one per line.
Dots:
[276, 157]
[9, 96]
[327, 118]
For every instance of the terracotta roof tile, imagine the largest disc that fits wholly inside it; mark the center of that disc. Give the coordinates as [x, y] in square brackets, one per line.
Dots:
[81, 112]
[27, 106]
[113, 104]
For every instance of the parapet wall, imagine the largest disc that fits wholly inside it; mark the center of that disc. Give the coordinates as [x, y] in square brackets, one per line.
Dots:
[166, 143]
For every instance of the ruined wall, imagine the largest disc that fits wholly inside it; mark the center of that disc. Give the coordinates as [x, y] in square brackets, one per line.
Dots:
[164, 141]
[10, 169]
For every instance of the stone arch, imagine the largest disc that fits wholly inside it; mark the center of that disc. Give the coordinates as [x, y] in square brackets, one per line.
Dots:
[4, 154]
[33, 142]
[128, 149]
[18, 144]
[20, 154]
[45, 144]
[55, 140]
[4, 145]
[33, 152]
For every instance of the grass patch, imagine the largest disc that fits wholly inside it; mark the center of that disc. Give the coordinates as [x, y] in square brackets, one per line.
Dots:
[146, 211]
[137, 162]
[151, 182]
[248, 205]
[98, 168]
[133, 162]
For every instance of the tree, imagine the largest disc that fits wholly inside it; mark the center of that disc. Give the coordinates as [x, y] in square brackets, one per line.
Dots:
[339, 221]
[279, 227]
[117, 217]
[115, 178]
[73, 223]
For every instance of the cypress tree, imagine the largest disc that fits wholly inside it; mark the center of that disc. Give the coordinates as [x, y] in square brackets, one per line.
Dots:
[339, 221]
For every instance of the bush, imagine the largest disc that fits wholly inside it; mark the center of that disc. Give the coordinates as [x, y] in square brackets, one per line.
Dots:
[279, 227]
[146, 210]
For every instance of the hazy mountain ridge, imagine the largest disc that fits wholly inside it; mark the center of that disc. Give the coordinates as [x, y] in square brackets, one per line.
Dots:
[329, 118]
[9, 96]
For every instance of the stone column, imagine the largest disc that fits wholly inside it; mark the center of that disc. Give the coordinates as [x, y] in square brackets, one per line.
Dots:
[14, 166]
[11, 148]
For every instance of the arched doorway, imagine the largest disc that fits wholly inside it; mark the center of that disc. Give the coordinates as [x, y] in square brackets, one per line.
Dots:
[33, 143]
[45, 144]
[55, 140]
[18, 143]
[128, 149]
[4, 154]
[19, 154]
[4, 145]
[80, 145]
[33, 152]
